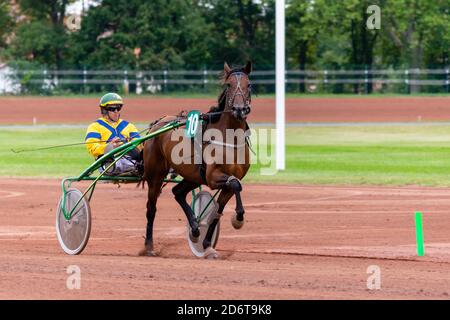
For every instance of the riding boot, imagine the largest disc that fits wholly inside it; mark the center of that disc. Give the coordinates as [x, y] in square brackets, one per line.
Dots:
[135, 154]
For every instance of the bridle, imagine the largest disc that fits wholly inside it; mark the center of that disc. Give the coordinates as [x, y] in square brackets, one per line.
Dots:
[230, 102]
[238, 92]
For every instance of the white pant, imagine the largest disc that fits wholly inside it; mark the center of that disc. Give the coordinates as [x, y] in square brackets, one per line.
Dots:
[123, 165]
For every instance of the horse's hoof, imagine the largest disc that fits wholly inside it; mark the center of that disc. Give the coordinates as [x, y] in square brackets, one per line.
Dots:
[194, 235]
[147, 251]
[211, 254]
[236, 223]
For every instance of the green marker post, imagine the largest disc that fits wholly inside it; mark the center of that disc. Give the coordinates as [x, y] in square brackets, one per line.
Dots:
[419, 234]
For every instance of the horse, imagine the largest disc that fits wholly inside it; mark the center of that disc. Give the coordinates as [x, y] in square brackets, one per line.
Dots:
[234, 104]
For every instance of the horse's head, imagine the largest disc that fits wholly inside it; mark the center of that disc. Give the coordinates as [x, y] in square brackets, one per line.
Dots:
[237, 93]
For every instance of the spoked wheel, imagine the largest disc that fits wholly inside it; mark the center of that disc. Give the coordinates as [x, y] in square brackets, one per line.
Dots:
[73, 234]
[203, 200]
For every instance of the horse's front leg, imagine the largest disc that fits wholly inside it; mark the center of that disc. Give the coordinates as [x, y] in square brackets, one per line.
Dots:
[235, 185]
[180, 192]
[220, 180]
[224, 196]
[230, 186]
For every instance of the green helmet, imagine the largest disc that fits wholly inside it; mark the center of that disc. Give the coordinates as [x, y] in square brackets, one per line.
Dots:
[109, 99]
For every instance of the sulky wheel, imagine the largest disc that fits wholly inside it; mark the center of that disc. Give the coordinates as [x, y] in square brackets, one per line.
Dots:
[203, 200]
[73, 234]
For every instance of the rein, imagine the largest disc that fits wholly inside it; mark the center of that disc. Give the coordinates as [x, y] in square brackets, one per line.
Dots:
[227, 145]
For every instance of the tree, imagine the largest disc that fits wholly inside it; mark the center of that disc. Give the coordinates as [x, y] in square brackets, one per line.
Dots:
[363, 40]
[170, 34]
[6, 23]
[198, 34]
[241, 30]
[418, 29]
[301, 34]
[42, 36]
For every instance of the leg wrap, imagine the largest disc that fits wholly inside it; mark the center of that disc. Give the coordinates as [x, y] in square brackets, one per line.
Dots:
[234, 183]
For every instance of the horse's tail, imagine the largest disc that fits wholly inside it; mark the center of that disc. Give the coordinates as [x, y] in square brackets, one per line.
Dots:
[142, 181]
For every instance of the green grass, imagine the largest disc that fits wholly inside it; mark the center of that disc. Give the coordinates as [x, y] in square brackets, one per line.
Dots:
[376, 155]
[57, 162]
[390, 155]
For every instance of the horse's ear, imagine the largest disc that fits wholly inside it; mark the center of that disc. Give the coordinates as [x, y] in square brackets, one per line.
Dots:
[248, 67]
[226, 68]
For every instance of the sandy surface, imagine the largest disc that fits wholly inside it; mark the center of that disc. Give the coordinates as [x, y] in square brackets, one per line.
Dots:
[314, 242]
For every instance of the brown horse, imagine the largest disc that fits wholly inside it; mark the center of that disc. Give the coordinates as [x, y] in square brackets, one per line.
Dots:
[234, 104]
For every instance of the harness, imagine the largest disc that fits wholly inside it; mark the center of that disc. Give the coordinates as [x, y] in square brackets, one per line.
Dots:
[214, 116]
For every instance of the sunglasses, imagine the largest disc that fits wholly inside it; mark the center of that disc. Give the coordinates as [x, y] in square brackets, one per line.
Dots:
[113, 109]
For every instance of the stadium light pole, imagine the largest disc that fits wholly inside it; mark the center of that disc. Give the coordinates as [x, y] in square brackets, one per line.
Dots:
[280, 83]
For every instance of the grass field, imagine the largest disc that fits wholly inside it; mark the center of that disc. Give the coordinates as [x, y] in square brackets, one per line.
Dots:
[380, 155]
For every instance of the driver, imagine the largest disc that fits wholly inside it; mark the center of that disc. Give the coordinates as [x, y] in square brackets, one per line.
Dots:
[109, 132]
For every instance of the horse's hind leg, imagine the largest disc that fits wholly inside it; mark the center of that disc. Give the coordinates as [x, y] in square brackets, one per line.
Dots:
[154, 189]
[180, 191]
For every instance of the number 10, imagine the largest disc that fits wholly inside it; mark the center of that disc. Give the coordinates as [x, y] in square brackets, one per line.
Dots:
[193, 124]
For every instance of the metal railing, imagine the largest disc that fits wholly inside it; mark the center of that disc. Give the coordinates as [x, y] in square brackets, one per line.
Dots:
[141, 81]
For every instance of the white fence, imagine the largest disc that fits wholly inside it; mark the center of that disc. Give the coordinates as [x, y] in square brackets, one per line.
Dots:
[162, 80]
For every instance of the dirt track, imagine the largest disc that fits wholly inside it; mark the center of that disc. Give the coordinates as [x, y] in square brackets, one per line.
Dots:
[76, 110]
[299, 242]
